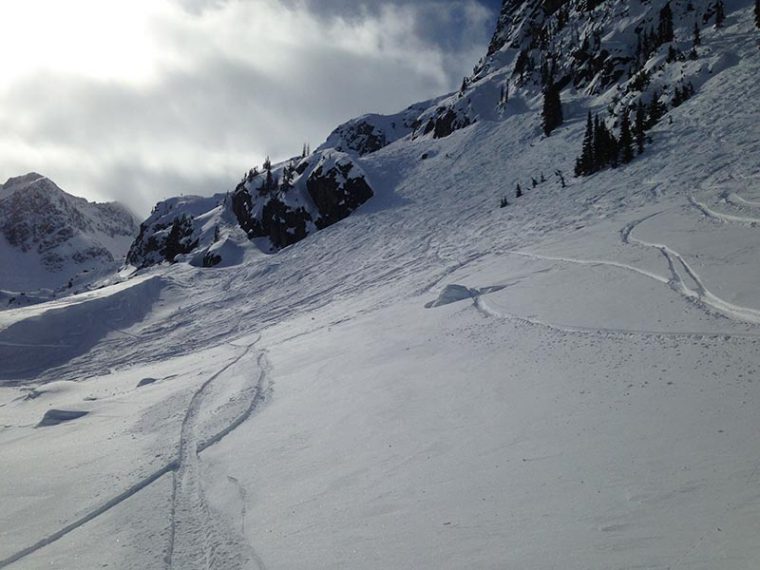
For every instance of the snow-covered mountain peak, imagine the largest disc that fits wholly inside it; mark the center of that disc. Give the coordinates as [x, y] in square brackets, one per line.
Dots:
[24, 181]
[52, 238]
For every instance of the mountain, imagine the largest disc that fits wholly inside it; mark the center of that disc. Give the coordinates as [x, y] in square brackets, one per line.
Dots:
[274, 208]
[50, 239]
[624, 62]
[451, 376]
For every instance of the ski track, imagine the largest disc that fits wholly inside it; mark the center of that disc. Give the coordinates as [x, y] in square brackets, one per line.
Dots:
[184, 466]
[483, 307]
[722, 217]
[739, 201]
[242, 496]
[700, 294]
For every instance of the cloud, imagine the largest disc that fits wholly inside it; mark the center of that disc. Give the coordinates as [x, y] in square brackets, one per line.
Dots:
[216, 85]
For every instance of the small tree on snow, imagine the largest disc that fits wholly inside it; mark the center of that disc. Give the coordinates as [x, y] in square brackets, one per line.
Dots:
[720, 14]
[626, 139]
[639, 126]
[552, 110]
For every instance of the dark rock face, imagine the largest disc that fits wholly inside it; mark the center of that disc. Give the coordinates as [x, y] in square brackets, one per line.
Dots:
[155, 244]
[145, 245]
[335, 193]
[445, 121]
[325, 190]
[180, 238]
[282, 224]
[242, 207]
[370, 133]
[363, 138]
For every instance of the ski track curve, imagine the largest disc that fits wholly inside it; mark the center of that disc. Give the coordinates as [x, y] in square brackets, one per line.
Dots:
[260, 392]
[198, 540]
[737, 200]
[722, 217]
[702, 295]
[485, 308]
[678, 268]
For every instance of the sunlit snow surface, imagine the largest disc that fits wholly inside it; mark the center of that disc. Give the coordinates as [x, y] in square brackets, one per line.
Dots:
[588, 397]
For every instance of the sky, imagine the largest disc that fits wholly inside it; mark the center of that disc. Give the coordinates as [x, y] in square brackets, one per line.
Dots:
[144, 99]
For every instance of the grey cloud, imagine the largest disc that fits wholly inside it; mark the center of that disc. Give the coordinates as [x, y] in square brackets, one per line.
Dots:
[446, 23]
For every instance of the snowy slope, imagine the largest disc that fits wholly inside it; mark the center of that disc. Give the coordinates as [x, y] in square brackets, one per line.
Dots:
[50, 238]
[433, 382]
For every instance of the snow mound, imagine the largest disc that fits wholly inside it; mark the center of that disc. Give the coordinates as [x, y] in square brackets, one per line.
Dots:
[52, 389]
[452, 294]
[55, 417]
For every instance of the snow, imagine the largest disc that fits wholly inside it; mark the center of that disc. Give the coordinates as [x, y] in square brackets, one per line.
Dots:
[434, 382]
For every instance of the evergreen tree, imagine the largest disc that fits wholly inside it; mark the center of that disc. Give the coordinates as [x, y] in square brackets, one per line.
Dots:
[518, 191]
[600, 158]
[646, 47]
[552, 112]
[626, 139]
[757, 13]
[720, 14]
[614, 148]
[672, 54]
[697, 36]
[287, 178]
[587, 151]
[269, 183]
[656, 110]
[665, 28]
[678, 97]
[639, 126]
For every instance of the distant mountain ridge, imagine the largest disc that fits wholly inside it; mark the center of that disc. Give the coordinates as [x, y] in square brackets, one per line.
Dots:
[49, 238]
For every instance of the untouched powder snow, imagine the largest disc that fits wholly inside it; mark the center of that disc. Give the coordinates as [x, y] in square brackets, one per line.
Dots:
[572, 381]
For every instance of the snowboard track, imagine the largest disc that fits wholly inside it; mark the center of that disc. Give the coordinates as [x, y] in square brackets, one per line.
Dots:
[262, 392]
